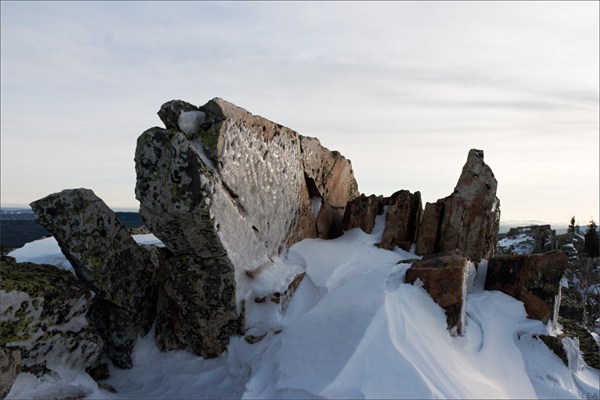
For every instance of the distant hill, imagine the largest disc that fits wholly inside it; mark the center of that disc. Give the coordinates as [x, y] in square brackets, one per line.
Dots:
[18, 226]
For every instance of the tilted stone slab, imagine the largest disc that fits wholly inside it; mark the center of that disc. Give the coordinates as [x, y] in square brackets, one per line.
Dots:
[103, 253]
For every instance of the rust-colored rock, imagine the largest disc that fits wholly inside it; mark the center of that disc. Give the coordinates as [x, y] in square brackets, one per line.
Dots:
[445, 276]
[329, 177]
[534, 279]
[402, 220]
[361, 212]
[468, 219]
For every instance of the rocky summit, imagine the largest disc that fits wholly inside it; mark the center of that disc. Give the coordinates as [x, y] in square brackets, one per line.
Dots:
[228, 192]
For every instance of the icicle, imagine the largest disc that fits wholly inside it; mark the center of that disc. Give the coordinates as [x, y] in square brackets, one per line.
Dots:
[554, 319]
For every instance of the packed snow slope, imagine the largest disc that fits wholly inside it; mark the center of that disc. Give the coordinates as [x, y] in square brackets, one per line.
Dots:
[352, 330]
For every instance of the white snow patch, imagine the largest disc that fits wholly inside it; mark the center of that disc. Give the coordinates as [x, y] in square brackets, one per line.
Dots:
[199, 149]
[189, 121]
[47, 251]
[316, 205]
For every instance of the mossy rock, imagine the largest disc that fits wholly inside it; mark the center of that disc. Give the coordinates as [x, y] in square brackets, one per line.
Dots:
[38, 280]
[44, 315]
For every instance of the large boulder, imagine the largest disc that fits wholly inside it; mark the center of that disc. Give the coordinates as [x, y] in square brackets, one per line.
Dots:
[468, 219]
[227, 191]
[446, 277]
[109, 261]
[43, 315]
[402, 220]
[534, 279]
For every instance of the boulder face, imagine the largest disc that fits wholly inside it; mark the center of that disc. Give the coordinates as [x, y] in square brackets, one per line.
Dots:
[534, 279]
[244, 178]
[226, 192]
[109, 261]
[468, 219]
[446, 277]
[402, 220]
[43, 314]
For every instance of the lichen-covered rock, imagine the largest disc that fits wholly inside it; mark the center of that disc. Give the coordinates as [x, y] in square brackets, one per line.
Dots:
[197, 306]
[534, 279]
[103, 253]
[402, 220]
[531, 239]
[362, 211]
[468, 219]
[118, 333]
[446, 277]
[43, 314]
[220, 185]
[10, 366]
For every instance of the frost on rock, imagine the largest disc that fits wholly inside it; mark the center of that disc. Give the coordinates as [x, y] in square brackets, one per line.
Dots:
[574, 357]
[220, 185]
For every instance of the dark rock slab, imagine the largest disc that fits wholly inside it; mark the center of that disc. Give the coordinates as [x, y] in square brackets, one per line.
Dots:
[534, 279]
[402, 220]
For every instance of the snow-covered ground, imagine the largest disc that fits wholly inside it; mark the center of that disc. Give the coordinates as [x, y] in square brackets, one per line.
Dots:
[352, 330]
[521, 243]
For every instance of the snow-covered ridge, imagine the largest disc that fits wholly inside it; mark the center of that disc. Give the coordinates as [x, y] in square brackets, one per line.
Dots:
[353, 329]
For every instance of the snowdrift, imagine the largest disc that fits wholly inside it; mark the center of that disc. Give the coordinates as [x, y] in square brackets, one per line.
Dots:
[353, 329]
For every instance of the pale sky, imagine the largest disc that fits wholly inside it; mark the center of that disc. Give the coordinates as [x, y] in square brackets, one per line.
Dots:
[403, 89]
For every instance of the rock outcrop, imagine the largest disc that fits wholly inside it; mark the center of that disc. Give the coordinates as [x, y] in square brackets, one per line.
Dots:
[362, 211]
[226, 191]
[402, 220]
[107, 259]
[43, 316]
[446, 277]
[468, 219]
[534, 279]
[533, 239]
